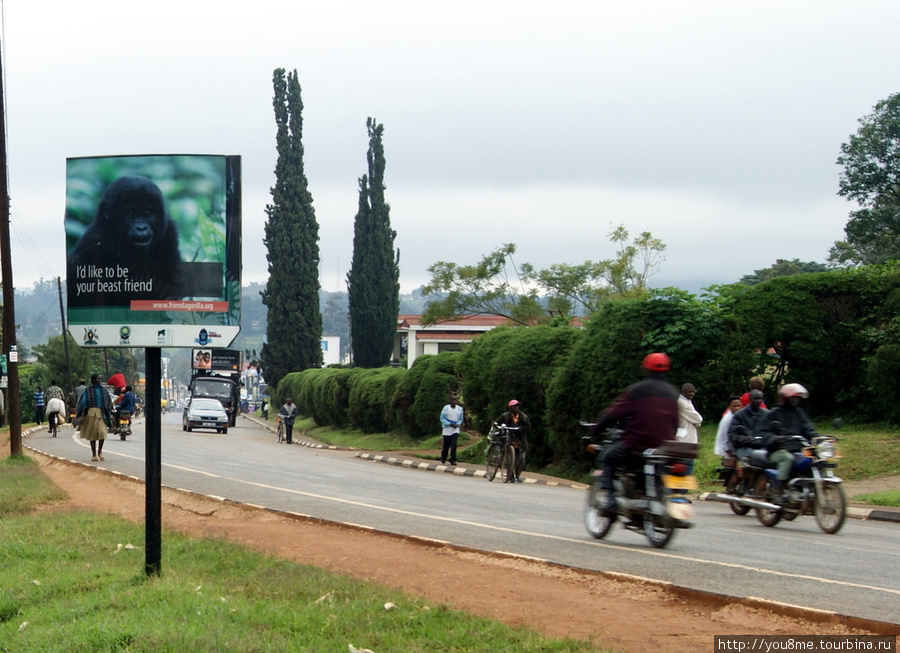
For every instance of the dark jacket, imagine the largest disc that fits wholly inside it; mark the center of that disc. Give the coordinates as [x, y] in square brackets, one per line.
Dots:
[647, 413]
[524, 424]
[794, 421]
[744, 431]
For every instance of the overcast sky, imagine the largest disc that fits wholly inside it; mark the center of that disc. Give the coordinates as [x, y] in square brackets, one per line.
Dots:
[714, 125]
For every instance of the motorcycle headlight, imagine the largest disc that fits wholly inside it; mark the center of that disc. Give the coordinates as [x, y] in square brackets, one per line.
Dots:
[827, 449]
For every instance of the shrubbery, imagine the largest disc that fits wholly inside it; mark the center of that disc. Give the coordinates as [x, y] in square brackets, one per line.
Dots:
[836, 332]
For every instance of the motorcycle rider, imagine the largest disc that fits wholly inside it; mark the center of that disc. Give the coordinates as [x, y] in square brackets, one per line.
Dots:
[787, 418]
[744, 432]
[648, 415]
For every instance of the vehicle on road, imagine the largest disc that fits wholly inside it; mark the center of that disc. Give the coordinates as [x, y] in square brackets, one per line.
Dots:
[813, 489]
[123, 424]
[204, 413]
[649, 492]
[215, 386]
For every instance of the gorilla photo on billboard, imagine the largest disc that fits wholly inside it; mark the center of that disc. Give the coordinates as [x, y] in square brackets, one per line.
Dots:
[130, 251]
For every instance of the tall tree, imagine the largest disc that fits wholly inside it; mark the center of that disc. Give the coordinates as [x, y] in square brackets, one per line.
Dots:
[294, 331]
[373, 283]
[871, 177]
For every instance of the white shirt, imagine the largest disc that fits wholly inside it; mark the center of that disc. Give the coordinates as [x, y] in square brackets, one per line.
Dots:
[688, 420]
[723, 444]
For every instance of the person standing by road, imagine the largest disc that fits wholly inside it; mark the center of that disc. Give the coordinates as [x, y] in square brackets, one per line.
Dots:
[516, 418]
[451, 420]
[39, 405]
[723, 444]
[288, 413]
[95, 415]
[689, 420]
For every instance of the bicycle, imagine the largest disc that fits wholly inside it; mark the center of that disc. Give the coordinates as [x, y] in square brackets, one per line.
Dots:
[501, 454]
[279, 429]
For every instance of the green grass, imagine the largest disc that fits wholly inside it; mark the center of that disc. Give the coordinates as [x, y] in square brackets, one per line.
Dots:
[886, 498]
[67, 585]
[22, 488]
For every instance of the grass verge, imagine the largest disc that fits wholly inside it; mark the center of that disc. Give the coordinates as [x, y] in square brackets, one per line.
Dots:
[71, 581]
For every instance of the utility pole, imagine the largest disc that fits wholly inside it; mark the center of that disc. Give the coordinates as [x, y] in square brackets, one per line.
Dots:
[65, 334]
[14, 416]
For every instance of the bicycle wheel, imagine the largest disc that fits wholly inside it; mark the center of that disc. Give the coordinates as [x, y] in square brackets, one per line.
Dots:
[492, 461]
[509, 464]
[279, 432]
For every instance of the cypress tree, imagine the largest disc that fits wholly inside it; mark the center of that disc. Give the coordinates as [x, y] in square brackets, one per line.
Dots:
[373, 283]
[294, 330]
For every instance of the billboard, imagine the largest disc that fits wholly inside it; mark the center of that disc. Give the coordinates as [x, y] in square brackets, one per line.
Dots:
[219, 360]
[153, 246]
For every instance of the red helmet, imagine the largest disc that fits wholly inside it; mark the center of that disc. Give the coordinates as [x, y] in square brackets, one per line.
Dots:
[657, 363]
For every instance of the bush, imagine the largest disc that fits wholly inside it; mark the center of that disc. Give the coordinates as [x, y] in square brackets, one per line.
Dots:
[367, 398]
[438, 381]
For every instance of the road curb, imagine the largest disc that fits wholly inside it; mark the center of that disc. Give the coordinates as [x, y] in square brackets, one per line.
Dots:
[459, 470]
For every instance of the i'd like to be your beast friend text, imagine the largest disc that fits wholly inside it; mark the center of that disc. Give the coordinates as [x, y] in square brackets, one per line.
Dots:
[107, 279]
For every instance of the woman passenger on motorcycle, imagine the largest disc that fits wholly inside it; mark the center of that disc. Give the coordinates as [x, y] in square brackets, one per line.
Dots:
[515, 417]
[793, 420]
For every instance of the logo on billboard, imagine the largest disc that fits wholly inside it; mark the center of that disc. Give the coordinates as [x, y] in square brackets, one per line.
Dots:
[124, 335]
[90, 336]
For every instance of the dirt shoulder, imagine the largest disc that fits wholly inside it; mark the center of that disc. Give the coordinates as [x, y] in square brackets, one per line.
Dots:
[627, 615]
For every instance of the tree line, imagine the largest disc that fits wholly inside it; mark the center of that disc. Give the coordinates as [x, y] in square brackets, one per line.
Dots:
[836, 332]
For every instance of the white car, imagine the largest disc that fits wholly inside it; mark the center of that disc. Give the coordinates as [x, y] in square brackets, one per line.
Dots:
[203, 413]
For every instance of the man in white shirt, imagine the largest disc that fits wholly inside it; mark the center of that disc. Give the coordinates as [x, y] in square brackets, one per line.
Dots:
[451, 420]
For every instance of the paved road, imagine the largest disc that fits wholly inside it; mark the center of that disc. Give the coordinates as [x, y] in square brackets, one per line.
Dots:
[856, 572]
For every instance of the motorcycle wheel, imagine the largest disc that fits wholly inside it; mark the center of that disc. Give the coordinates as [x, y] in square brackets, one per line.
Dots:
[595, 523]
[659, 529]
[731, 485]
[493, 461]
[831, 508]
[762, 489]
[509, 465]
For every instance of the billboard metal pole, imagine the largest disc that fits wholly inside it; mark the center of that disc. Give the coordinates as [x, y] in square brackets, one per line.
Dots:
[153, 457]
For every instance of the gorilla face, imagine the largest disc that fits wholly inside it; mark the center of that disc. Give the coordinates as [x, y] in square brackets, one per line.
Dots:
[133, 212]
[132, 232]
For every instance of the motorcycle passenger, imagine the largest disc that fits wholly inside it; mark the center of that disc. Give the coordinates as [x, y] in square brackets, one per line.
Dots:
[793, 420]
[125, 404]
[744, 432]
[648, 415]
[515, 417]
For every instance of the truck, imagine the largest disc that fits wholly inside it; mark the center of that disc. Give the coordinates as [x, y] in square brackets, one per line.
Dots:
[215, 386]
[217, 375]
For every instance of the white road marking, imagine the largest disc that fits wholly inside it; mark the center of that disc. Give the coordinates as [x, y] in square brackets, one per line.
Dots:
[513, 531]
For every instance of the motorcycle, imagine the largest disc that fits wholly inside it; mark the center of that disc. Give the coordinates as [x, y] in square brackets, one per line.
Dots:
[123, 425]
[812, 489]
[649, 493]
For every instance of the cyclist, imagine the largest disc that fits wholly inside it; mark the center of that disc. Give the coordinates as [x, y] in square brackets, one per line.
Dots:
[516, 418]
